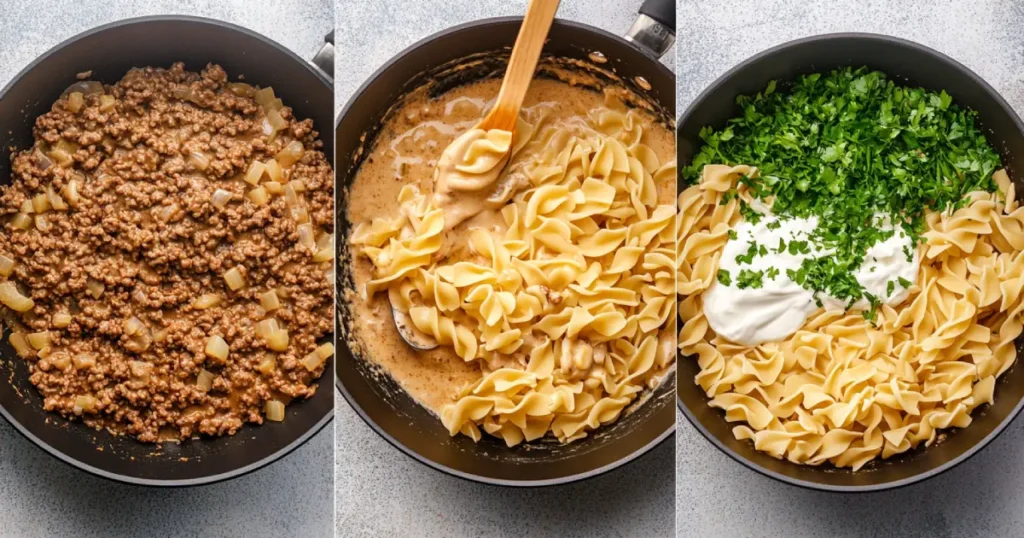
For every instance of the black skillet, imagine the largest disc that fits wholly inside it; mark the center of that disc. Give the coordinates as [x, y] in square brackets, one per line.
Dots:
[906, 63]
[385, 407]
[110, 51]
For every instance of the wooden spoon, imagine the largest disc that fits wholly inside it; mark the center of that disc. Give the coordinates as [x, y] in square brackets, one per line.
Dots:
[502, 116]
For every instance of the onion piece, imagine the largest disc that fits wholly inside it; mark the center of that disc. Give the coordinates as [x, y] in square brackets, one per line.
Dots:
[21, 221]
[278, 340]
[306, 237]
[75, 101]
[28, 207]
[61, 320]
[6, 265]
[94, 287]
[325, 350]
[41, 203]
[42, 223]
[40, 339]
[275, 121]
[269, 301]
[199, 160]
[264, 96]
[205, 380]
[86, 87]
[21, 345]
[56, 202]
[84, 361]
[325, 254]
[274, 171]
[207, 300]
[274, 410]
[13, 299]
[290, 154]
[259, 196]
[274, 187]
[299, 214]
[267, 365]
[61, 157]
[70, 191]
[140, 369]
[221, 198]
[107, 103]
[42, 160]
[60, 360]
[133, 326]
[234, 278]
[241, 89]
[266, 327]
[160, 335]
[84, 404]
[312, 361]
[217, 349]
[255, 173]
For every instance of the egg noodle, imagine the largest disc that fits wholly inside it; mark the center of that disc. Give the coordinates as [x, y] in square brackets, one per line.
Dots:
[844, 389]
[568, 304]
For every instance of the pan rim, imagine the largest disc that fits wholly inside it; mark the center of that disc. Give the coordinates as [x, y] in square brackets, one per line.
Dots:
[351, 401]
[691, 417]
[151, 482]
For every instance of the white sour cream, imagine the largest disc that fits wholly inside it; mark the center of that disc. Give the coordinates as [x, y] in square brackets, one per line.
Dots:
[780, 306]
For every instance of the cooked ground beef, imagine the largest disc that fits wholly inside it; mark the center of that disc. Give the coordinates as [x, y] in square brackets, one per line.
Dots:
[146, 229]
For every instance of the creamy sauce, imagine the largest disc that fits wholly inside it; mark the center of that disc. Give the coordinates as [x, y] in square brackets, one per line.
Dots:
[406, 152]
[780, 306]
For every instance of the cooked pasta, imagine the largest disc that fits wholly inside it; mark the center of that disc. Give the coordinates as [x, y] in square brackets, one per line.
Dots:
[843, 389]
[564, 298]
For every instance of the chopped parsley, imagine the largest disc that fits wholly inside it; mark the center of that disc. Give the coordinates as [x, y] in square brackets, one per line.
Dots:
[844, 147]
[733, 234]
[771, 273]
[889, 288]
[748, 258]
[724, 278]
[749, 279]
[904, 282]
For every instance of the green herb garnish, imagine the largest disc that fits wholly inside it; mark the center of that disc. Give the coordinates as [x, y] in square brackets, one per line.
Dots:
[724, 278]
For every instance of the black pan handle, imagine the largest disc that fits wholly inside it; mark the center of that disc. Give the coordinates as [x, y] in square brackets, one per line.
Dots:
[324, 58]
[654, 29]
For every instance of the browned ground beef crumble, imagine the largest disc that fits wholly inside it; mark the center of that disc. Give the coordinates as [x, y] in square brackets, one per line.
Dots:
[132, 168]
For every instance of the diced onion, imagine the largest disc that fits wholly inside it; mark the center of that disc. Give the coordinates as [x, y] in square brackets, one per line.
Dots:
[107, 103]
[217, 348]
[290, 196]
[21, 345]
[28, 207]
[21, 221]
[269, 301]
[84, 404]
[312, 361]
[61, 157]
[264, 96]
[60, 360]
[306, 237]
[241, 89]
[266, 327]
[274, 170]
[273, 187]
[61, 320]
[259, 196]
[274, 410]
[70, 192]
[206, 300]
[41, 203]
[13, 299]
[83, 361]
[84, 86]
[275, 122]
[221, 198]
[267, 365]
[42, 160]
[199, 160]
[325, 254]
[278, 340]
[160, 335]
[325, 350]
[6, 265]
[133, 326]
[165, 213]
[255, 173]
[276, 104]
[56, 202]
[45, 352]
[297, 185]
[75, 101]
[42, 223]
[94, 287]
[140, 369]
[234, 279]
[290, 154]
[40, 339]
[299, 214]
[205, 380]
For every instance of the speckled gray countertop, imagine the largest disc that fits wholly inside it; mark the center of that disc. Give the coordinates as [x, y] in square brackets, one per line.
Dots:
[383, 493]
[41, 497]
[983, 497]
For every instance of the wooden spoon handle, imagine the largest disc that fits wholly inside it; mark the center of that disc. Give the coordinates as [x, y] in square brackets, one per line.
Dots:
[521, 65]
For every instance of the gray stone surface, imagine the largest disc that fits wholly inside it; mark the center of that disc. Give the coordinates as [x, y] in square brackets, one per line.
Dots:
[41, 497]
[717, 497]
[383, 493]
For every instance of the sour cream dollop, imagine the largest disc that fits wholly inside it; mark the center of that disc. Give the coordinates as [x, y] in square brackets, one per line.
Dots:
[780, 306]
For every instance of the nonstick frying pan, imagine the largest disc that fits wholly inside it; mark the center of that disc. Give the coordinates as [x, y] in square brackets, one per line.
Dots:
[110, 51]
[376, 398]
[906, 63]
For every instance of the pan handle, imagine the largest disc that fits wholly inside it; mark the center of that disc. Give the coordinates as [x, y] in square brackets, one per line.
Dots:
[324, 58]
[654, 29]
